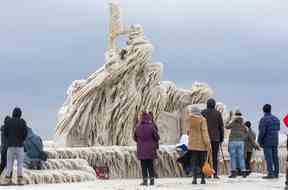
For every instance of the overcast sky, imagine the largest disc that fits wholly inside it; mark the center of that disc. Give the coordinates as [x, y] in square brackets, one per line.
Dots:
[238, 47]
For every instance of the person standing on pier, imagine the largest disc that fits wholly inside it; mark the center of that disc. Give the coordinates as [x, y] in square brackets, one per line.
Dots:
[16, 133]
[147, 138]
[268, 139]
[199, 146]
[216, 131]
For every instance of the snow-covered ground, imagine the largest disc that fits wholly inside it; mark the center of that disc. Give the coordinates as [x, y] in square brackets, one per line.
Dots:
[253, 182]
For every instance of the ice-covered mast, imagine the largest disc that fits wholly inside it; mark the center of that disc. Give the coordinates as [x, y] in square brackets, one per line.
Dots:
[116, 26]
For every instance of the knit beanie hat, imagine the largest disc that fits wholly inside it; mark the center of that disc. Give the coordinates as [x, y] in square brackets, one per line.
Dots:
[195, 110]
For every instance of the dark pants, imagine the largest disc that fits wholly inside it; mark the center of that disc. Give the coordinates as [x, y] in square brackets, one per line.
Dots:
[198, 159]
[248, 161]
[272, 161]
[147, 169]
[185, 161]
[3, 160]
[215, 153]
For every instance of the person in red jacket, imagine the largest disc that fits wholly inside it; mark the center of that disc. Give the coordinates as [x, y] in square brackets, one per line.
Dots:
[286, 120]
[286, 123]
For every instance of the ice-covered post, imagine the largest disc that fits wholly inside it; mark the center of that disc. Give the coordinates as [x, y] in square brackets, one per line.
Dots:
[115, 24]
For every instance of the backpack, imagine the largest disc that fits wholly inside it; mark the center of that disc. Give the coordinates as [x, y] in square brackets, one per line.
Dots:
[102, 172]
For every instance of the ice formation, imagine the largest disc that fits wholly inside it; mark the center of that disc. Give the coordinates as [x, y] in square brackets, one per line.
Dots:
[123, 163]
[67, 165]
[60, 171]
[103, 109]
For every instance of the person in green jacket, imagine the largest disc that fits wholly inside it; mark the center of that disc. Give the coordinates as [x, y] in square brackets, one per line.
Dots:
[236, 146]
[250, 146]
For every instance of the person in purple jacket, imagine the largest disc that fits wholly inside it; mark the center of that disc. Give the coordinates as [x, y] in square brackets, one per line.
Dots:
[146, 137]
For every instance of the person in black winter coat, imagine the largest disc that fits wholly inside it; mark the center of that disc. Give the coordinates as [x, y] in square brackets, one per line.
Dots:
[16, 133]
[4, 146]
[216, 131]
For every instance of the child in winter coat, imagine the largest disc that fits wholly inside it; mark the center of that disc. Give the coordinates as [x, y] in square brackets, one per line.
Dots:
[250, 146]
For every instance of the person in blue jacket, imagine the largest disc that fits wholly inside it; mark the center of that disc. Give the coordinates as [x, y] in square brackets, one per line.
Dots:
[33, 146]
[268, 139]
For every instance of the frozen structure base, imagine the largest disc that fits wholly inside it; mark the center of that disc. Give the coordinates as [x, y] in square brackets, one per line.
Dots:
[123, 163]
[59, 171]
[66, 165]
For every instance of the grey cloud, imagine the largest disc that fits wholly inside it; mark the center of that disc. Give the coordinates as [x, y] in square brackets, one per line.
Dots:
[238, 47]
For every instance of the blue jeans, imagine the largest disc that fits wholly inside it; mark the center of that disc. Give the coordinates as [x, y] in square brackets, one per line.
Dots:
[272, 161]
[236, 151]
[15, 153]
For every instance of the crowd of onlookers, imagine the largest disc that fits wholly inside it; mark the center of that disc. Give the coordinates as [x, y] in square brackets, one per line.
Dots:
[20, 144]
[199, 149]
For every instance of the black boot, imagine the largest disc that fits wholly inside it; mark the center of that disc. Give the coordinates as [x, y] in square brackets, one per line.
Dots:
[238, 172]
[152, 182]
[216, 177]
[248, 172]
[269, 176]
[145, 182]
[233, 174]
[244, 174]
[194, 182]
[203, 180]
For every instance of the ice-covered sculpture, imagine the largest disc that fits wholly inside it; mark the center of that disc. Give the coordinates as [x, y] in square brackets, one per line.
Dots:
[103, 109]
